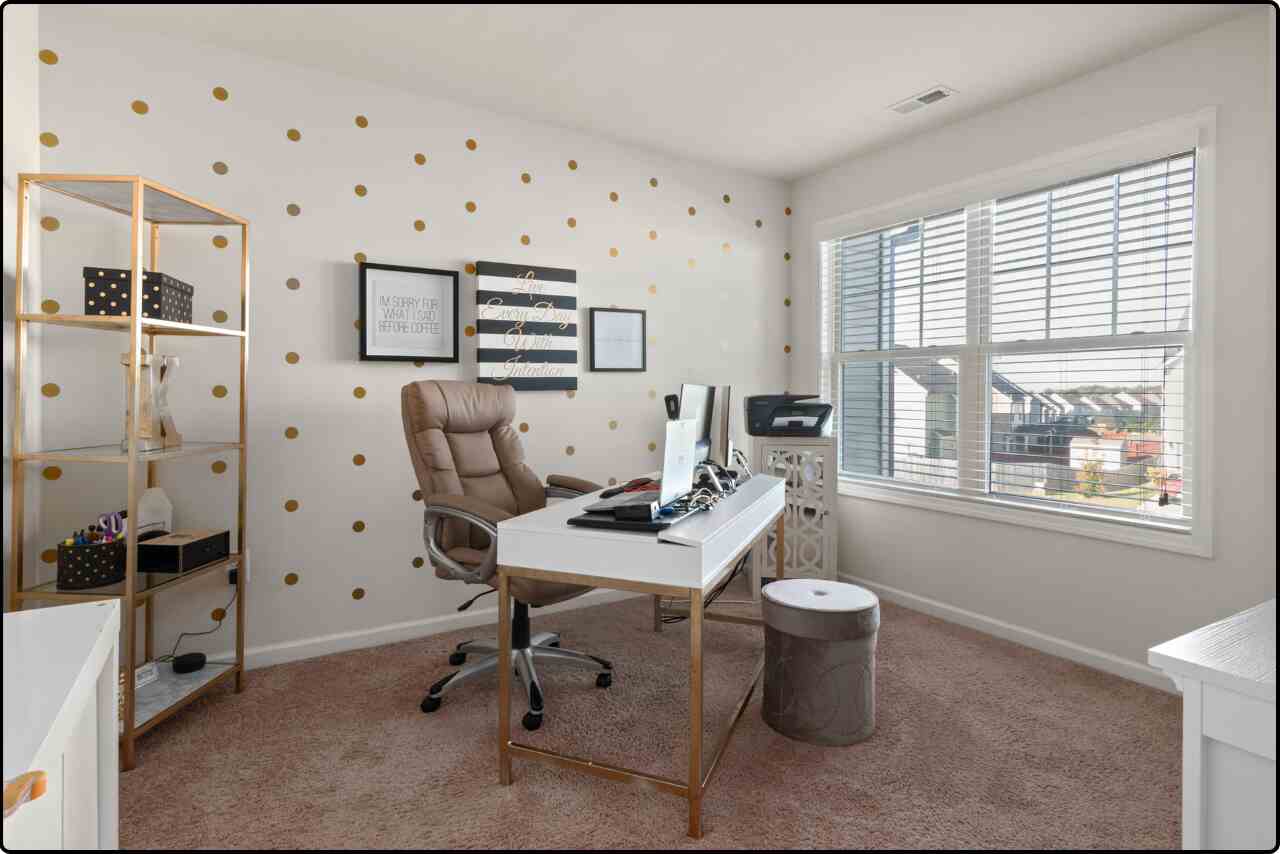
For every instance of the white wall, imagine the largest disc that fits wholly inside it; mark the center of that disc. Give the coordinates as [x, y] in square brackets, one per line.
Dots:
[21, 154]
[719, 319]
[1113, 598]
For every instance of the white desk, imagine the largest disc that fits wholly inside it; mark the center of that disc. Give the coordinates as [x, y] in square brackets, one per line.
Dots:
[1226, 672]
[687, 560]
[60, 718]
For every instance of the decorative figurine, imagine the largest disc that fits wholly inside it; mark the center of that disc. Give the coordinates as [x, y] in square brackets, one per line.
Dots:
[156, 429]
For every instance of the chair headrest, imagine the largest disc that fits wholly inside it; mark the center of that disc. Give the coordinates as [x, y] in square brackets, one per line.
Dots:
[458, 407]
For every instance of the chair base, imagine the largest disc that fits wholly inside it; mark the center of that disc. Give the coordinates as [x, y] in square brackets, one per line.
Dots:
[526, 651]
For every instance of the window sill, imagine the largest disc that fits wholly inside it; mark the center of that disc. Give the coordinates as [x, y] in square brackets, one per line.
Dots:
[1149, 535]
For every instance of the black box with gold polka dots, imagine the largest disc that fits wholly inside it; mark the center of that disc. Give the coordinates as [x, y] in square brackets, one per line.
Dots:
[106, 291]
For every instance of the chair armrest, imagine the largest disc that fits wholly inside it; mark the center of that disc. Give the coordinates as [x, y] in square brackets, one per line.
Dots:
[473, 511]
[565, 486]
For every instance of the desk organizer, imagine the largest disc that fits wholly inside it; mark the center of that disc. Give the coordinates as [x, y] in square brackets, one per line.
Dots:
[106, 291]
[90, 565]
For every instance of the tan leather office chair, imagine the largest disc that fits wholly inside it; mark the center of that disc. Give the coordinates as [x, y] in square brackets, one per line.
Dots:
[470, 466]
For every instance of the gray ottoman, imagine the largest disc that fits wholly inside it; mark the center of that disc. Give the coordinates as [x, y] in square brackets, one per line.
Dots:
[820, 660]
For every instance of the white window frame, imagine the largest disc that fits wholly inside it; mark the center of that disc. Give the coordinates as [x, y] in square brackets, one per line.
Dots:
[1196, 131]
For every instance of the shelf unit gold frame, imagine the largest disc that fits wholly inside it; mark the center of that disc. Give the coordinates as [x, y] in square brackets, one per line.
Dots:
[149, 205]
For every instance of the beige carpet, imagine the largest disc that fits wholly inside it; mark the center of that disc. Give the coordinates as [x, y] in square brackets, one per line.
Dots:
[980, 743]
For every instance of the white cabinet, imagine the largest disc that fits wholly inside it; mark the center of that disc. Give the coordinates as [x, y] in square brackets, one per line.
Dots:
[1226, 672]
[61, 717]
[809, 468]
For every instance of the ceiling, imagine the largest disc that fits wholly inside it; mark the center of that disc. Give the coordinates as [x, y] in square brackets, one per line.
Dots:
[775, 90]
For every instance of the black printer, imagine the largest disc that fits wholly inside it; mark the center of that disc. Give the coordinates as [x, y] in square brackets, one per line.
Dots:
[785, 415]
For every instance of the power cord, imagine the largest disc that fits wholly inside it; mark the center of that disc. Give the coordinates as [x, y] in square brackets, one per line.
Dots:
[185, 635]
[668, 619]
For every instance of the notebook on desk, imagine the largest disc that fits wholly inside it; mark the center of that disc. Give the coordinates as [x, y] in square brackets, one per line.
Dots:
[651, 510]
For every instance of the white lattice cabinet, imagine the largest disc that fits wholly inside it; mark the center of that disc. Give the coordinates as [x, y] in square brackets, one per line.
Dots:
[809, 468]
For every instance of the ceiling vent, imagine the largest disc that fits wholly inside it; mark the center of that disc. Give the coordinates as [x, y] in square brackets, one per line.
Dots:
[932, 95]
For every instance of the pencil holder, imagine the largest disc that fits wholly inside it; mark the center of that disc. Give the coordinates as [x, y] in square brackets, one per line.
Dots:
[90, 565]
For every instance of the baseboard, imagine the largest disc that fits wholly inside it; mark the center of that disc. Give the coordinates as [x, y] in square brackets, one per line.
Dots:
[1095, 658]
[281, 653]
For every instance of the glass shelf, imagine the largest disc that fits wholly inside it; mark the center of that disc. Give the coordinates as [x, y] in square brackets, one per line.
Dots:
[112, 454]
[150, 326]
[154, 702]
[147, 585]
[160, 204]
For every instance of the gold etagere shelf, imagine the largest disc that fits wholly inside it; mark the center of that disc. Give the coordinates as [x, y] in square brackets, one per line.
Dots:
[149, 205]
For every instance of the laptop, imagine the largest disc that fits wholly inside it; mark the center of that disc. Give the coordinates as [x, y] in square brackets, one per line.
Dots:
[677, 481]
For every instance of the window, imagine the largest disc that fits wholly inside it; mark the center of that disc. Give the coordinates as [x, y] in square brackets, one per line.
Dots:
[1027, 349]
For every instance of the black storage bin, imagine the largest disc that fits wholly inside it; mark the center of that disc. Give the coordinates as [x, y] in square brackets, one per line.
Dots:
[106, 292]
[90, 565]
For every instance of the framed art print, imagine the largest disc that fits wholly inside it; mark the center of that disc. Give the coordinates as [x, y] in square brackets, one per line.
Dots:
[526, 326]
[617, 339]
[408, 314]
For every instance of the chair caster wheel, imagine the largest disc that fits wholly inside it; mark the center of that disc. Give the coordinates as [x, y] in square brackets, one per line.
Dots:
[604, 680]
[430, 704]
[531, 721]
[457, 659]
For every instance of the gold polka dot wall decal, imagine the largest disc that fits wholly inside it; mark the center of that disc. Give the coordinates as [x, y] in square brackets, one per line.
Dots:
[291, 432]
[218, 467]
[786, 256]
[220, 93]
[524, 240]
[613, 481]
[294, 134]
[420, 159]
[613, 425]
[219, 391]
[469, 331]
[50, 390]
[726, 198]
[525, 177]
[573, 164]
[653, 446]
[49, 140]
[50, 223]
[358, 392]
[787, 302]
[787, 211]
[219, 241]
[362, 122]
[219, 168]
[693, 211]
[362, 190]
[653, 392]
[418, 363]
[726, 247]
[219, 316]
[693, 262]
[571, 394]
[653, 235]
[52, 473]
[357, 526]
[419, 225]
[653, 289]
[418, 563]
[292, 283]
[357, 594]
[653, 182]
[218, 615]
[524, 426]
[569, 450]
[140, 107]
[471, 207]
[360, 257]
[291, 358]
[50, 306]
[572, 222]
[293, 210]
[613, 252]
[49, 555]
[48, 57]
[416, 495]
[471, 145]
[291, 505]
[786, 348]
[653, 339]
[358, 460]
[759, 223]
[291, 578]
[613, 197]
[471, 269]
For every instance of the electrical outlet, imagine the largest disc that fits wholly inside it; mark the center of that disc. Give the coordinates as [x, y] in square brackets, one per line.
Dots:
[231, 576]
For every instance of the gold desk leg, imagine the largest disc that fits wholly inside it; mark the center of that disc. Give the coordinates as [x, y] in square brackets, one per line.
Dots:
[695, 713]
[504, 678]
[780, 545]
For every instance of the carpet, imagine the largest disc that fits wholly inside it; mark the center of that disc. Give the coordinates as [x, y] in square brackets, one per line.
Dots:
[980, 743]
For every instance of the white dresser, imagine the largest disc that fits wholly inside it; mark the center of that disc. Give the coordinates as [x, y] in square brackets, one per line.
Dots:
[1226, 672]
[60, 718]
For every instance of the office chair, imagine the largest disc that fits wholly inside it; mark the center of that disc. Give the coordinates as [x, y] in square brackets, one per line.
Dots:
[470, 466]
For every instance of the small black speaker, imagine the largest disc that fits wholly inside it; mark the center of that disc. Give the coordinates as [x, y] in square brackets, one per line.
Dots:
[188, 662]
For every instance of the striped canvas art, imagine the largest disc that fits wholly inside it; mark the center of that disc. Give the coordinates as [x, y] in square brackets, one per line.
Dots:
[527, 326]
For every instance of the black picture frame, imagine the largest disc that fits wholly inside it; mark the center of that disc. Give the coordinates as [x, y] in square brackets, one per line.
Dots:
[365, 355]
[644, 339]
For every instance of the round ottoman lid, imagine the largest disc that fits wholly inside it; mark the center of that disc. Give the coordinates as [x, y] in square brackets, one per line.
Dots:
[816, 594]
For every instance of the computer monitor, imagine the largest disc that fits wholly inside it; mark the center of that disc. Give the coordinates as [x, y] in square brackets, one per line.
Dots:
[698, 402]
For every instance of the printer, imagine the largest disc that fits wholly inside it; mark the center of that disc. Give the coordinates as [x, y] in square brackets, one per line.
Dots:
[785, 415]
